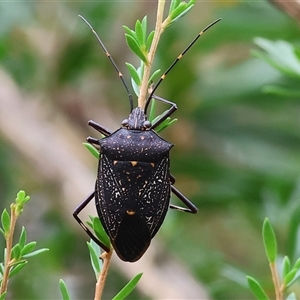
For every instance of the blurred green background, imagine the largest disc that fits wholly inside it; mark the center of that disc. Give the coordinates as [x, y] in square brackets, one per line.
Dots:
[236, 153]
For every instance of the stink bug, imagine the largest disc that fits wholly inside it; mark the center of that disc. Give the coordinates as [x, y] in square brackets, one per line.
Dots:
[133, 186]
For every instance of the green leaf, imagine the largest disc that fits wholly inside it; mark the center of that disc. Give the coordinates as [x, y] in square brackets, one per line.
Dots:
[152, 77]
[64, 290]
[28, 248]
[16, 269]
[256, 289]
[2, 297]
[165, 124]
[36, 252]
[23, 237]
[269, 241]
[139, 33]
[297, 264]
[173, 5]
[182, 9]
[149, 40]
[134, 74]
[280, 91]
[152, 111]
[145, 28]
[128, 288]
[1, 268]
[286, 266]
[94, 151]
[289, 276]
[94, 255]
[279, 54]
[16, 251]
[129, 31]
[5, 221]
[135, 48]
[100, 232]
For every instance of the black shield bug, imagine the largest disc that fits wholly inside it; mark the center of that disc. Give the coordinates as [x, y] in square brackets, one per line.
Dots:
[134, 185]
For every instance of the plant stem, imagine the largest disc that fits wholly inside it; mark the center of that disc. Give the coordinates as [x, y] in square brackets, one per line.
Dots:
[147, 67]
[103, 274]
[278, 290]
[9, 241]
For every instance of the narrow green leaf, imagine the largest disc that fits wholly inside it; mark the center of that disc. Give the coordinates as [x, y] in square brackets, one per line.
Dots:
[279, 54]
[28, 248]
[23, 237]
[286, 266]
[94, 151]
[16, 251]
[182, 9]
[135, 48]
[289, 276]
[152, 111]
[134, 73]
[297, 264]
[256, 289]
[5, 221]
[95, 260]
[36, 252]
[280, 91]
[16, 269]
[1, 268]
[64, 290]
[269, 241]
[149, 40]
[2, 297]
[145, 28]
[128, 288]
[152, 77]
[129, 31]
[139, 33]
[173, 5]
[100, 232]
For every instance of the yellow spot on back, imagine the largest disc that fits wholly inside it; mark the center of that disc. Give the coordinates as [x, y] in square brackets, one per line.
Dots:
[130, 212]
[115, 162]
[134, 163]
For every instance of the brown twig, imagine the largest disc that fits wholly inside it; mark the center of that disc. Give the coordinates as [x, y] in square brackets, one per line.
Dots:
[106, 256]
[147, 68]
[9, 242]
[275, 278]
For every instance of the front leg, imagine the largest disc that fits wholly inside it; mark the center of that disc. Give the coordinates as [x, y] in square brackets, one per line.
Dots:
[167, 113]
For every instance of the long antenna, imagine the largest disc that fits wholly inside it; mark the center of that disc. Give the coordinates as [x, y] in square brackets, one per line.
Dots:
[176, 61]
[111, 60]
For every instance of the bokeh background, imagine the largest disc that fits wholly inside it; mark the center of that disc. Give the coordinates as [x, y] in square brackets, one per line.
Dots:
[236, 154]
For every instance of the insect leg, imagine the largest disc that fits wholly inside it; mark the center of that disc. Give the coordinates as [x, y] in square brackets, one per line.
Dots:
[77, 210]
[100, 128]
[191, 207]
[165, 115]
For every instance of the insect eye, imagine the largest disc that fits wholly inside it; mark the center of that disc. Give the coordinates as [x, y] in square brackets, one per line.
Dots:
[147, 124]
[125, 122]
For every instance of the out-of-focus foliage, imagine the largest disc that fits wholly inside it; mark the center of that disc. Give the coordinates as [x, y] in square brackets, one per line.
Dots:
[236, 151]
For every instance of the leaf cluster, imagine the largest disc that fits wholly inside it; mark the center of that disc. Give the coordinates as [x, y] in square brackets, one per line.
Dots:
[15, 256]
[284, 57]
[288, 273]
